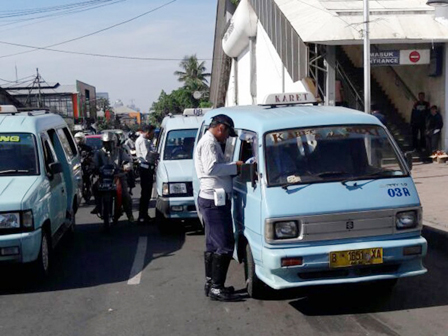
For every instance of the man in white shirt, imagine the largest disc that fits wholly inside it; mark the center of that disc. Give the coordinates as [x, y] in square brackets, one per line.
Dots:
[146, 155]
[215, 176]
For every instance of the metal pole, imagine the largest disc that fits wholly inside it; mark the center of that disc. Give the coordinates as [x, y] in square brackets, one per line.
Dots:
[366, 58]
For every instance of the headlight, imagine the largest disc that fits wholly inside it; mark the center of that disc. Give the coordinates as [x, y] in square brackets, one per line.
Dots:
[178, 188]
[10, 220]
[406, 220]
[285, 230]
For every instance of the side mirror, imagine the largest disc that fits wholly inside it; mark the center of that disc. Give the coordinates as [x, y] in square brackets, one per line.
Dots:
[408, 156]
[55, 168]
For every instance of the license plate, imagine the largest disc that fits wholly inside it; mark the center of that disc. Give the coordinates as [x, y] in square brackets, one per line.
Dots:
[369, 256]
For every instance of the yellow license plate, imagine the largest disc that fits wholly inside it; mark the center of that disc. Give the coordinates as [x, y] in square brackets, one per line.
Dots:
[369, 256]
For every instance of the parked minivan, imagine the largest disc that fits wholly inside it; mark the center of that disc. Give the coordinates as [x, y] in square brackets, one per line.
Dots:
[40, 186]
[174, 191]
[326, 197]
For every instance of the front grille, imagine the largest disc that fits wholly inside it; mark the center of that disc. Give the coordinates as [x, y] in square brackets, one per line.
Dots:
[191, 208]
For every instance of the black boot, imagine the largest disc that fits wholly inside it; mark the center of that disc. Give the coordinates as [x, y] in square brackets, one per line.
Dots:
[218, 292]
[208, 261]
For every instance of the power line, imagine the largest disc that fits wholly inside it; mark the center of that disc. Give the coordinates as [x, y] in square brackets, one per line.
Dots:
[102, 55]
[93, 33]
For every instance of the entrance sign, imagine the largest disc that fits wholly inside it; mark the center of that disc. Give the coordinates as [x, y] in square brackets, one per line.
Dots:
[391, 57]
[399, 57]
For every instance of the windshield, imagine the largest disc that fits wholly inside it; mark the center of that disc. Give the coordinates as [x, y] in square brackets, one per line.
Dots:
[18, 154]
[95, 142]
[335, 153]
[179, 144]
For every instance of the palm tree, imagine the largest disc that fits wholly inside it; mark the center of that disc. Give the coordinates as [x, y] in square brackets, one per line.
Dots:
[194, 76]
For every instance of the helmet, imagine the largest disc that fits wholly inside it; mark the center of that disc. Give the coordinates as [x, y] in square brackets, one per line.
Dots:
[131, 135]
[109, 140]
[80, 138]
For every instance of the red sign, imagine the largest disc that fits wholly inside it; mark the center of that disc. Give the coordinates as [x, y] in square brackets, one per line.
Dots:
[414, 56]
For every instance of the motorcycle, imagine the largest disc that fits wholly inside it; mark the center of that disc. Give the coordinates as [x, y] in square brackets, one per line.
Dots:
[87, 176]
[110, 193]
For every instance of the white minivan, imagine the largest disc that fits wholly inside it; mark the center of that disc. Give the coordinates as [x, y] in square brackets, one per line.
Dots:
[174, 190]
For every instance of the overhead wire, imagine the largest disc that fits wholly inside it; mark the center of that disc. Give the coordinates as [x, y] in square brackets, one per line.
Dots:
[86, 35]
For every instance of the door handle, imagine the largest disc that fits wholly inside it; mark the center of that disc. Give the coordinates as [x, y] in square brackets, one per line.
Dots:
[63, 190]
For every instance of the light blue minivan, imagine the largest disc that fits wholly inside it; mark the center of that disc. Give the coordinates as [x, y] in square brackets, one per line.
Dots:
[174, 190]
[40, 186]
[326, 197]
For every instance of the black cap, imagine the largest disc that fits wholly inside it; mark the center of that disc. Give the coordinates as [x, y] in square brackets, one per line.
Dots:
[225, 120]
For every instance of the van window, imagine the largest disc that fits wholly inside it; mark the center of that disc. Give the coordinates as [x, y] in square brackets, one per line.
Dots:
[229, 148]
[69, 151]
[179, 144]
[49, 156]
[334, 153]
[18, 154]
[70, 140]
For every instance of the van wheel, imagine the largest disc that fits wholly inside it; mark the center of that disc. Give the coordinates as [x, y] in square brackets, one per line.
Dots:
[255, 287]
[41, 266]
[163, 224]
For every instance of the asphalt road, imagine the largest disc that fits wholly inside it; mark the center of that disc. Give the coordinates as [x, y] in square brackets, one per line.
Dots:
[96, 288]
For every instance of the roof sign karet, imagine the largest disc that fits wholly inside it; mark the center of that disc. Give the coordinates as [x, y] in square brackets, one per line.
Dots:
[289, 98]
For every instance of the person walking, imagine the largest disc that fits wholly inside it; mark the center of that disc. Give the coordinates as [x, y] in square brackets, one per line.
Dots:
[434, 124]
[146, 155]
[420, 112]
[215, 176]
[375, 111]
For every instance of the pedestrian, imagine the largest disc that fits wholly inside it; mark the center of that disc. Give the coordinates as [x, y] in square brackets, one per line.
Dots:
[214, 202]
[375, 111]
[420, 112]
[434, 124]
[147, 158]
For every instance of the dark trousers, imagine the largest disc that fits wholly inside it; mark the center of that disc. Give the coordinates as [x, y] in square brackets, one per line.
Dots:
[418, 137]
[432, 143]
[218, 222]
[146, 181]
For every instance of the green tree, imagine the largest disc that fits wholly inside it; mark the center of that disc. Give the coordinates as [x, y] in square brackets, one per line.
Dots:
[193, 74]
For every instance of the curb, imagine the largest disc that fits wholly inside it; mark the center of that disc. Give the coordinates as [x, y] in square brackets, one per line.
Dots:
[437, 239]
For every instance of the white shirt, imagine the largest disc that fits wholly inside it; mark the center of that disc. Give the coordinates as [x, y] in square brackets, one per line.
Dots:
[211, 168]
[143, 148]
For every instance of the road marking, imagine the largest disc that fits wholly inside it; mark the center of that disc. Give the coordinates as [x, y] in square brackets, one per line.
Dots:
[139, 262]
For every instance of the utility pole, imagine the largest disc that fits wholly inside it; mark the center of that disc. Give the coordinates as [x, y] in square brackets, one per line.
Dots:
[367, 102]
[39, 99]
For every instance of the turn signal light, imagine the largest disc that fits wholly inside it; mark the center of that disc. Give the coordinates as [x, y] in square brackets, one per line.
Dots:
[296, 261]
[412, 250]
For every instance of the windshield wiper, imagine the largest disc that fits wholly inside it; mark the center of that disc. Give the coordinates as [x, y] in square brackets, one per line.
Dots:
[330, 173]
[10, 171]
[373, 176]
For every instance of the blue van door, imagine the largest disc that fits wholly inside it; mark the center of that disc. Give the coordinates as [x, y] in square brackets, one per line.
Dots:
[246, 194]
[56, 192]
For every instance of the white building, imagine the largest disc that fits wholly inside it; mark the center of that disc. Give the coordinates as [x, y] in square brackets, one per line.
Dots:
[270, 46]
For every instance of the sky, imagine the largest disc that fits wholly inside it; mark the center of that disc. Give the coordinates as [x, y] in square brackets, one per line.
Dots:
[180, 28]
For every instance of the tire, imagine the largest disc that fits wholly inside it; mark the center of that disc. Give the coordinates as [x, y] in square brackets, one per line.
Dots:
[41, 266]
[107, 212]
[255, 287]
[163, 224]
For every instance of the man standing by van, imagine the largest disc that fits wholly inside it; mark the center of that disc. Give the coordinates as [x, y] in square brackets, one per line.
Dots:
[146, 155]
[214, 201]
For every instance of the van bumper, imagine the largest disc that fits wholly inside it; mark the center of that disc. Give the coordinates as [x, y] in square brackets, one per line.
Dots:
[27, 246]
[177, 207]
[315, 269]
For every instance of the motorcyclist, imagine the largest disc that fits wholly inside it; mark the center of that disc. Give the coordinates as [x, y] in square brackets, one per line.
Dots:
[130, 142]
[80, 139]
[112, 153]
[86, 158]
